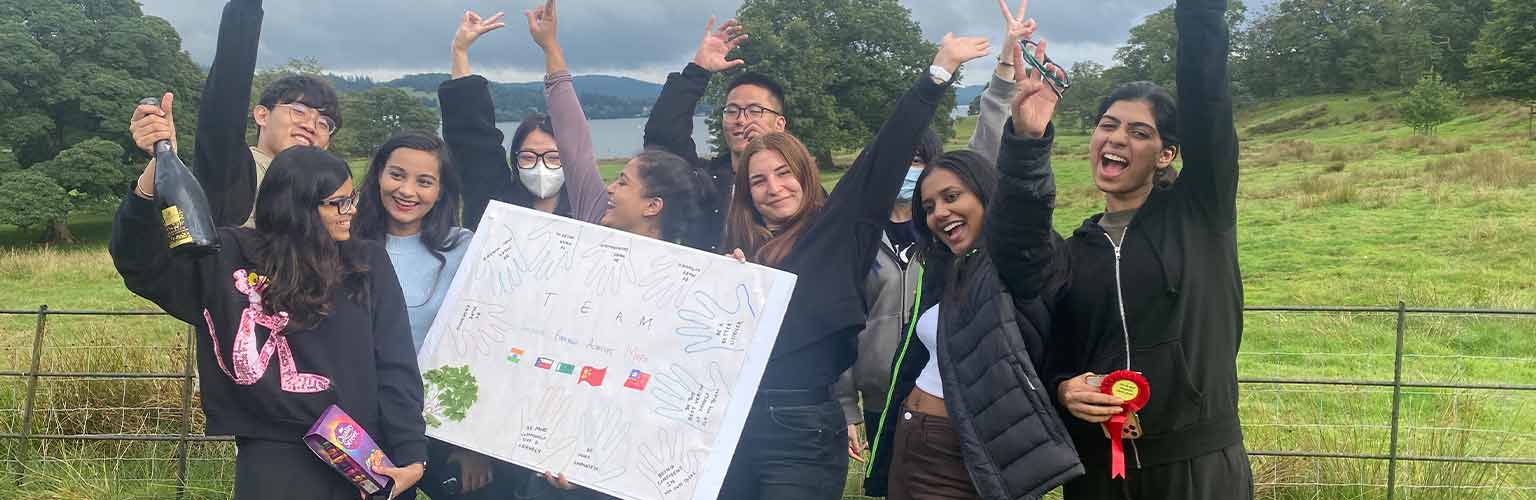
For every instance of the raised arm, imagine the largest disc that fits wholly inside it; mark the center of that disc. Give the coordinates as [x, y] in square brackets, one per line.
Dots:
[1209, 177]
[573, 135]
[999, 92]
[222, 161]
[142, 258]
[670, 125]
[1019, 234]
[469, 123]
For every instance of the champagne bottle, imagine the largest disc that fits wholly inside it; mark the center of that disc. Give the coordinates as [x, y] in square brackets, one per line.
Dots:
[184, 211]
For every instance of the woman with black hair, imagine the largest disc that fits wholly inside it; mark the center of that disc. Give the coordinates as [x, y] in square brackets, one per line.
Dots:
[291, 317]
[981, 320]
[659, 195]
[1155, 286]
[555, 167]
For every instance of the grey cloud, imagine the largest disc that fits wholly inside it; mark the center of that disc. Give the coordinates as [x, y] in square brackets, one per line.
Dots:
[641, 38]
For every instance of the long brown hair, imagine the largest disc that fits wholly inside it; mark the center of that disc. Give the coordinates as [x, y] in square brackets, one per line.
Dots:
[745, 228]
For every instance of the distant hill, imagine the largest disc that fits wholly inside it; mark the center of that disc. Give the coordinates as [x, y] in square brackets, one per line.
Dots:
[964, 95]
[602, 96]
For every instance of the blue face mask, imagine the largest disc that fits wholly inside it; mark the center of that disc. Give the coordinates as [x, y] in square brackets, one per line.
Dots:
[909, 185]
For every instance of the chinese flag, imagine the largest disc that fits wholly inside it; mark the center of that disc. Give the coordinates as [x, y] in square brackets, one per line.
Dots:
[592, 376]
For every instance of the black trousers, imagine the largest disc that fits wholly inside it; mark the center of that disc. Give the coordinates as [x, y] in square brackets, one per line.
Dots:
[1223, 474]
[290, 471]
[794, 447]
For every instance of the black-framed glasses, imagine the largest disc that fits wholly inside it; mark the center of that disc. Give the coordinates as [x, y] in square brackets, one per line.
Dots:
[344, 205]
[527, 159]
[1058, 84]
[302, 113]
[754, 111]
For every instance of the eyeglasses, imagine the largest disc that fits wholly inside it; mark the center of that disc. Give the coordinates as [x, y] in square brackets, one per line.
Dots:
[753, 110]
[1057, 84]
[302, 113]
[527, 159]
[343, 206]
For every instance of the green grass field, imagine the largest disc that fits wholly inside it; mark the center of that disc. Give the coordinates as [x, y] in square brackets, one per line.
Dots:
[1339, 205]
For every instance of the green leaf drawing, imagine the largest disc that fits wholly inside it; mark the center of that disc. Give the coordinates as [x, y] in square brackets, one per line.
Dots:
[450, 391]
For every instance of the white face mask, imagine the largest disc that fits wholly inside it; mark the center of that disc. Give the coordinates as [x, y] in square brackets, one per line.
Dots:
[542, 182]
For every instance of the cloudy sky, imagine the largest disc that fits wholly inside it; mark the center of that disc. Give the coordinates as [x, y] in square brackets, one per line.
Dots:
[643, 39]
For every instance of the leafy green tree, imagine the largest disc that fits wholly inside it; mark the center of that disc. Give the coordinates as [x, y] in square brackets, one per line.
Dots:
[1152, 48]
[1429, 104]
[450, 391]
[1078, 107]
[32, 201]
[1504, 64]
[71, 72]
[1310, 47]
[843, 64]
[370, 117]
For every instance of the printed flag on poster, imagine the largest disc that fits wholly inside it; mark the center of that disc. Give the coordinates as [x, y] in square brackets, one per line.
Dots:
[515, 356]
[544, 363]
[637, 380]
[592, 376]
[565, 368]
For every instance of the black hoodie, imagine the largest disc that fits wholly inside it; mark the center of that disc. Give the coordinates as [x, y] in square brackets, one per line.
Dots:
[1178, 272]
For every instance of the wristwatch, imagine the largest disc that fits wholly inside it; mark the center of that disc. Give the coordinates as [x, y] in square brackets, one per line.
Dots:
[939, 75]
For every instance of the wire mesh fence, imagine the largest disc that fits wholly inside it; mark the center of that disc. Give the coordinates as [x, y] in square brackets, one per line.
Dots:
[1337, 402]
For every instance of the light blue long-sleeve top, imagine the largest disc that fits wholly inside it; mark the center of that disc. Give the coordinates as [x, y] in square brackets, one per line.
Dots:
[423, 278]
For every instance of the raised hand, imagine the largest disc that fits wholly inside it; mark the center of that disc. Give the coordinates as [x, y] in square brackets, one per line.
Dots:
[541, 421]
[682, 397]
[669, 281]
[604, 438]
[1034, 101]
[1015, 27]
[472, 27]
[718, 43]
[954, 51]
[669, 464]
[713, 326]
[611, 267]
[542, 24]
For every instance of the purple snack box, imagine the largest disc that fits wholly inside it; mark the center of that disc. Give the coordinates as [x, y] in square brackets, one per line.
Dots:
[340, 442]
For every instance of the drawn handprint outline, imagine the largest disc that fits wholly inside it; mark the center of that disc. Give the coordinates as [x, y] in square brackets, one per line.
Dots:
[712, 326]
[501, 262]
[558, 252]
[540, 423]
[670, 280]
[669, 465]
[604, 437]
[611, 266]
[477, 326]
[682, 397]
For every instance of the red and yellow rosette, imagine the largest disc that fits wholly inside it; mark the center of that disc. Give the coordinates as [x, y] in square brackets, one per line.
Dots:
[1133, 389]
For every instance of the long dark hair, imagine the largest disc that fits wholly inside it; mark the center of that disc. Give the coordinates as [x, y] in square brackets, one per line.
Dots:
[1165, 111]
[303, 264]
[980, 177]
[437, 228]
[745, 228]
[686, 193]
[520, 195]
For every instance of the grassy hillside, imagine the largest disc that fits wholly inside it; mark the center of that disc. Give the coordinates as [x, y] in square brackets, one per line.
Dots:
[1338, 205]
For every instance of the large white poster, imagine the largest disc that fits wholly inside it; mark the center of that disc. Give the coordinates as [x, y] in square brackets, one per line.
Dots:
[625, 362]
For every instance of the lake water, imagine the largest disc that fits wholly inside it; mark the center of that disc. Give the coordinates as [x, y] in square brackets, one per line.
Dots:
[623, 137]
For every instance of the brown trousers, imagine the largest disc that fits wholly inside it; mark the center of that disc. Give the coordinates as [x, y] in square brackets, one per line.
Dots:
[927, 463]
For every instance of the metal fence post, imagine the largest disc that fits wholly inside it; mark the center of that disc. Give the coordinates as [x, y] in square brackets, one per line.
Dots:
[26, 412]
[186, 414]
[1397, 400]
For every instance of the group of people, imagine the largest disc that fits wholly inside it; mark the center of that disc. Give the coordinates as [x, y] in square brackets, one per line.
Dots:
[935, 304]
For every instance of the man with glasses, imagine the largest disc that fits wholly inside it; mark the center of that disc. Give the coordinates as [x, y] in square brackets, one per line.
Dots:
[293, 111]
[754, 105]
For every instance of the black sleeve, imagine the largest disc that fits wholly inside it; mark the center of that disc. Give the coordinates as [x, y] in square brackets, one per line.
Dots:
[400, 391]
[1018, 224]
[141, 256]
[868, 190]
[670, 125]
[469, 128]
[1209, 178]
[221, 160]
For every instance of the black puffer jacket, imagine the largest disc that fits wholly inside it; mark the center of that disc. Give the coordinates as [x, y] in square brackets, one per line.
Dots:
[992, 330]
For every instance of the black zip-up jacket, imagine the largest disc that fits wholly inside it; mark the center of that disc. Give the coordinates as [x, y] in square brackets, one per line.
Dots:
[992, 335]
[1178, 271]
[222, 161]
[670, 127]
[826, 311]
[260, 379]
